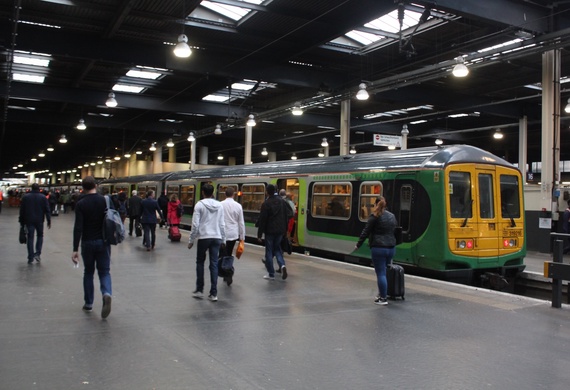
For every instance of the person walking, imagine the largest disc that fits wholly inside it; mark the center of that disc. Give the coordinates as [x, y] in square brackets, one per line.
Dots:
[149, 208]
[34, 209]
[134, 209]
[272, 222]
[174, 213]
[163, 204]
[208, 226]
[235, 225]
[96, 253]
[379, 230]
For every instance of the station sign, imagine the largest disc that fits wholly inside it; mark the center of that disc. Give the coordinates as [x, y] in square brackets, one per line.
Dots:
[387, 140]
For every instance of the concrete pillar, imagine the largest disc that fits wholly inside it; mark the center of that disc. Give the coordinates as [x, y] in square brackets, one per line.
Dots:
[271, 156]
[523, 140]
[247, 149]
[405, 133]
[326, 151]
[157, 160]
[231, 161]
[172, 154]
[193, 155]
[344, 127]
[203, 159]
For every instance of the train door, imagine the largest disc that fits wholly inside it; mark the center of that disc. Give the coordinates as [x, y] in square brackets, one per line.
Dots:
[487, 215]
[291, 186]
[403, 194]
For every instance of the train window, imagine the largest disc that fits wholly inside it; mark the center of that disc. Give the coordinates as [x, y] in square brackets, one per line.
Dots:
[405, 207]
[486, 208]
[221, 192]
[369, 191]
[187, 195]
[510, 203]
[460, 195]
[252, 196]
[332, 200]
[142, 191]
[172, 190]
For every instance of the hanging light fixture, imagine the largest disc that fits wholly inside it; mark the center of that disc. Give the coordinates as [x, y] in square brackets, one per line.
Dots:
[362, 93]
[352, 150]
[182, 49]
[50, 148]
[152, 147]
[191, 137]
[81, 125]
[567, 108]
[138, 151]
[460, 70]
[127, 155]
[170, 144]
[63, 140]
[264, 152]
[218, 129]
[325, 143]
[111, 101]
[251, 120]
[220, 157]
[439, 141]
[391, 147]
[321, 153]
[297, 110]
[498, 134]
[293, 156]
[41, 154]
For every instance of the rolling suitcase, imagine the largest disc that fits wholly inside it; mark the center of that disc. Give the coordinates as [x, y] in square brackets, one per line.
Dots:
[174, 233]
[395, 277]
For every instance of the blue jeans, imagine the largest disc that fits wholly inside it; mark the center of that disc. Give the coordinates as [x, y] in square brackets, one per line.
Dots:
[380, 258]
[96, 253]
[273, 248]
[212, 245]
[39, 228]
[149, 237]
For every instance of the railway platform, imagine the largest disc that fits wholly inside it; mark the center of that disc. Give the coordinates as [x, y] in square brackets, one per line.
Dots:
[319, 329]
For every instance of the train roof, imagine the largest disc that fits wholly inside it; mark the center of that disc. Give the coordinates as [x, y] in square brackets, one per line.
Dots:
[138, 178]
[409, 159]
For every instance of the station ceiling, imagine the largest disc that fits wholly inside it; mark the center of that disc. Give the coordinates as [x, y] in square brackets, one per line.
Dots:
[261, 59]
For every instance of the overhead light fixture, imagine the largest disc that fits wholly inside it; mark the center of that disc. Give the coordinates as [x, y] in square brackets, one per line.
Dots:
[293, 156]
[352, 150]
[170, 144]
[251, 120]
[460, 70]
[391, 147]
[439, 141]
[498, 134]
[264, 152]
[218, 130]
[111, 101]
[127, 155]
[152, 147]
[405, 130]
[33, 159]
[138, 151]
[220, 157]
[41, 154]
[81, 125]
[117, 158]
[362, 93]
[321, 153]
[567, 108]
[182, 49]
[50, 148]
[297, 110]
[191, 137]
[325, 143]
[63, 140]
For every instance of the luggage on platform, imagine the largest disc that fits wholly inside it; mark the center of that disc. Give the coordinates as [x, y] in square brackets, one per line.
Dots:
[138, 229]
[174, 233]
[395, 277]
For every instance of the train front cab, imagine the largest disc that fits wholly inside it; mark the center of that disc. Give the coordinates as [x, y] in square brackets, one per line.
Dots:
[485, 217]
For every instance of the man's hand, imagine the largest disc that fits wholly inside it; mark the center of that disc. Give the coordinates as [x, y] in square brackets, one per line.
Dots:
[190, 245]
[75, 257]
[49, 225]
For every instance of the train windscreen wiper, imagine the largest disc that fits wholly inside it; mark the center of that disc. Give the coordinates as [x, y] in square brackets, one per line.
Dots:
[506, 208]
[467, 212]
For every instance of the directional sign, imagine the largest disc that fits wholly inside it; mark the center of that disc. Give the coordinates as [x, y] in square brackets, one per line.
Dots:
[387, 140]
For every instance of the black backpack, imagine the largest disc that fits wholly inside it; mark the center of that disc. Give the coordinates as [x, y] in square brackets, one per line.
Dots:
[113, 228]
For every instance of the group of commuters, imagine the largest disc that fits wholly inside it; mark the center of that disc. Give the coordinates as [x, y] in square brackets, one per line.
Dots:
[216, 227]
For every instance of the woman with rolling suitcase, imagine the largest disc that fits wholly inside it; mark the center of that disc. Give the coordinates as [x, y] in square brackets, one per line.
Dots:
[379, 230]
[174, 214]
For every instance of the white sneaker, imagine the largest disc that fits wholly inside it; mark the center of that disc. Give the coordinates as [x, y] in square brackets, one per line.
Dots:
[213, 298]
[198, 294]
[268, 277]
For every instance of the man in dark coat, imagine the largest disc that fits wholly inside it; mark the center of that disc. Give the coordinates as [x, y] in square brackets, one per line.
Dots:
[273, 223]
[163, 204]
[135, 210]
[33, 209]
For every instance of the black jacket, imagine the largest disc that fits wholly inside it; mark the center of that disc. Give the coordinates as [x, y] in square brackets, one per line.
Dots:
[379, 231]
[273, 216]
[33, 208]
[134, 206]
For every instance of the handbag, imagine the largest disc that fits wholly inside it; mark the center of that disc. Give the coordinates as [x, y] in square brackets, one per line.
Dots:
[286, 245]
[398, 235]
[23, 234]
[240, 248]
[138, 229]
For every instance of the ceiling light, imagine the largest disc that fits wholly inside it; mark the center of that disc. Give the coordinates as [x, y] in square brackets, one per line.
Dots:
[127, 155]
[264, 152]
[81, 125]
[41, 154]
[391, 147]
[405, 130]
[63, 140]
[50, 148]
[33, 159]
[117, 158]
[170, 144]
[182, 49]
[251, 120]
[567, 108]
[439, 141]
[352, 150]
[220, 157]
[321, 153]
[293, 156]
[152, 147]
[498, 134]
[218, 130]
[111, 101]
[138, 151]
[460, 70]
[297, 110]
[362, 93]
[325, 143]
[100, 162]
[191, 137]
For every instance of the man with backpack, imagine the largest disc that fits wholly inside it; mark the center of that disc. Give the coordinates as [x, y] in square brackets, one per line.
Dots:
[95, 250]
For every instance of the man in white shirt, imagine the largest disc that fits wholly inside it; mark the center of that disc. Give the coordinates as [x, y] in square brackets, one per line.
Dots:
[235, 225]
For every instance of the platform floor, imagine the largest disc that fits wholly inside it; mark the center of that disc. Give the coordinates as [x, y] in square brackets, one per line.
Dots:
[319, 329]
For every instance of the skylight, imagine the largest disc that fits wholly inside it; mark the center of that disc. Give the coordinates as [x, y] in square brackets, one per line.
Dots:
[239, 90]
[142, 74]
[128, 88]
[28, 78]
[403, 111]
[230, 11]
[215, 98]
[31, 58]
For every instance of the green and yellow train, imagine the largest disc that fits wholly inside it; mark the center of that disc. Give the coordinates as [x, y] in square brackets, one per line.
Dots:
[461, 208]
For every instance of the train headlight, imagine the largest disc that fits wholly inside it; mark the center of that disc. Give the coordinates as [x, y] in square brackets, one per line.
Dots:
[509, 242]
[464, 244]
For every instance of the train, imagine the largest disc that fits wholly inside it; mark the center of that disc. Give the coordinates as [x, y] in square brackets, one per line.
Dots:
[461, 208]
